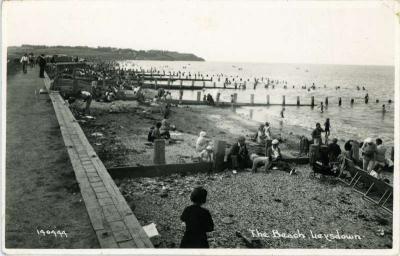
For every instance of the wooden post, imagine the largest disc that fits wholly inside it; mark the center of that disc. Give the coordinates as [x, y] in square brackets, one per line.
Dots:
[204, 84]
[215, 84]
[218, 95]
[159, 152]
[198, 96]
[312, 101]
[252, 99]
[326, 101]
[235, 98]
[268, 99]
[155, 84]
[340, 101]
[251, 113]
[298, 100]
[192, 84]
[283, 100]
[219, 154]
[181, 83]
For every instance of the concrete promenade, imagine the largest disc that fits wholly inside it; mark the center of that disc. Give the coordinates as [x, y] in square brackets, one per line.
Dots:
[112, 219]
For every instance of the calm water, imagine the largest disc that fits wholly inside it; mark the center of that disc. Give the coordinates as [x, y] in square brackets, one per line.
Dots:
[358, 121]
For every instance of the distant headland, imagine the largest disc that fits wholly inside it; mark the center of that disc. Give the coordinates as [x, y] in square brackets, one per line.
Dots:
[104, 53]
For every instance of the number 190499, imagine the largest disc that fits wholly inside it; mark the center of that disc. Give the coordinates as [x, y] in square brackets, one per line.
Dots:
[57, 233]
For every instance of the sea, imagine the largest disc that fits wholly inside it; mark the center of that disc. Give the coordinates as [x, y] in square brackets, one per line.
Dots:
[348, 121]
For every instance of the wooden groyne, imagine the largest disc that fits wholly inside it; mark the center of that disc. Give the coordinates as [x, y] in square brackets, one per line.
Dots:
[233, 103]
[192, 87]
[229, 104]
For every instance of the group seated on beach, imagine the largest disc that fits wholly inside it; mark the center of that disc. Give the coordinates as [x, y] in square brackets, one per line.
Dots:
[240, 158]
[330, 157]
[160, 131]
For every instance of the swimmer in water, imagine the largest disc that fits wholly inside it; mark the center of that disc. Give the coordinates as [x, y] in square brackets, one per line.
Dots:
[383, 109]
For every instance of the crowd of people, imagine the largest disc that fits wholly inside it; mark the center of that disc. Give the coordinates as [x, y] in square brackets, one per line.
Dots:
[30, 60]
[373, 153]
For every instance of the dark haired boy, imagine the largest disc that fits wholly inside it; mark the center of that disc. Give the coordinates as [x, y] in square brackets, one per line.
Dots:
[198, 221]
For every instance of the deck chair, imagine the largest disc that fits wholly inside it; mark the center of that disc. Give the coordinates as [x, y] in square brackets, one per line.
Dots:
[384, 190]
[348, 165]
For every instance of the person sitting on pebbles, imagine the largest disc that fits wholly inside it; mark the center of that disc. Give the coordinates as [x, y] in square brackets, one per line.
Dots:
[259, 160]
[239, 150]
[164, 129]
[206, 154]
[202, 142]
[275, 158]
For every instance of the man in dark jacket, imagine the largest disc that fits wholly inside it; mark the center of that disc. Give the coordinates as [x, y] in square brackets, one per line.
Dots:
[333, 150]
[239, 150]
[316, 134]
[42, 65]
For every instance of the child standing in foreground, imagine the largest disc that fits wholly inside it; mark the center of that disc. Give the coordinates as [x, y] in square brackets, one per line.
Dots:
[198, 221]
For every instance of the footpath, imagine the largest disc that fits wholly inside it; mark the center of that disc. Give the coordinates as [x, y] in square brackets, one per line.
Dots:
[41, 190]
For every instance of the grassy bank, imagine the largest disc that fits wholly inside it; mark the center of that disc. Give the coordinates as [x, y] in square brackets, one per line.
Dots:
[101, 53]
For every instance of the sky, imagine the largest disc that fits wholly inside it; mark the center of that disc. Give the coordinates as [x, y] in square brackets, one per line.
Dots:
[242, 31]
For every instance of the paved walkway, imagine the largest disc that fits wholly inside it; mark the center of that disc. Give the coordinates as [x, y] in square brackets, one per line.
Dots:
[41, 189]
[112, 219]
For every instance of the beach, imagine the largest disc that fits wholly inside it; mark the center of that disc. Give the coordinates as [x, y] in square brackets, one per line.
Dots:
[238, 202]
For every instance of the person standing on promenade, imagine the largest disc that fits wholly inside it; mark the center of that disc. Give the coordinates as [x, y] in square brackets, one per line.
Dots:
[24, 61]
[42, 65]
[31, 59]
[316, 134]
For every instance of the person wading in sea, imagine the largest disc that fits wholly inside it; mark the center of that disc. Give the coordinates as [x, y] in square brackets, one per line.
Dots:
[282, 113]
